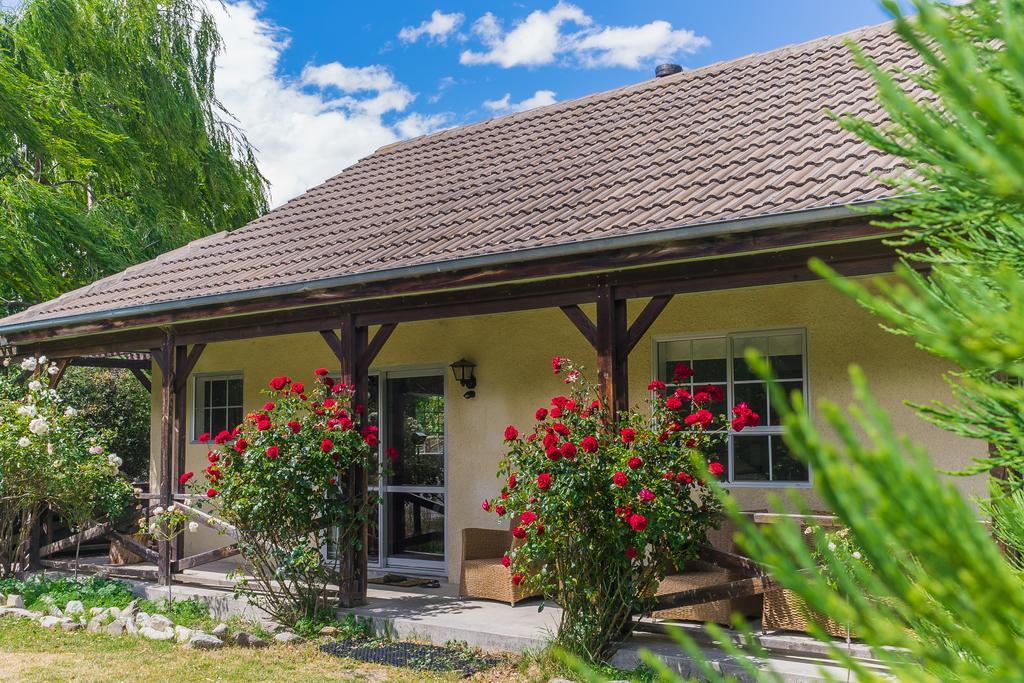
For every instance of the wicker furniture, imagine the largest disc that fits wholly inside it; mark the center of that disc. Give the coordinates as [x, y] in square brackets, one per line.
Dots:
[719, 611]
[785, 611]
[483, 575]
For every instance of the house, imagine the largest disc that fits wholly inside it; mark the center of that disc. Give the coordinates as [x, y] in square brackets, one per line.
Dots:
[665, 221]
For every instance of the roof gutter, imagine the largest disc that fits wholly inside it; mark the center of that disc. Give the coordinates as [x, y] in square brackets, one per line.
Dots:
[671, 234]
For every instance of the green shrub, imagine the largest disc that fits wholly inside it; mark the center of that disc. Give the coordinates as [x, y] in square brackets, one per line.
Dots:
[92, 591]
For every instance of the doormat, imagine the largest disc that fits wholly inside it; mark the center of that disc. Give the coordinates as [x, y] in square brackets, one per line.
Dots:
[417, 656]
[404, 581]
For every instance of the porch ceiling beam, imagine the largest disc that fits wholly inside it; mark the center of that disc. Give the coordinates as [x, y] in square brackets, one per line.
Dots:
[121, 363]
[143, 379]
[474, 303]
[582, 322]
[644, 321]
[611, 260]
[380, 338]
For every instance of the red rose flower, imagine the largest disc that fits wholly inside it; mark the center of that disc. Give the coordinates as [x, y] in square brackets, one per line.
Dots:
[222, 437]
[556, 364]
[511, 433]
[543, 481]
[541, 414]
[506, 561]
[517, 579]
[556, 412]
[681, 372]
[504, 494]
[628, 435]
[320, 372]
[673, 403]
[298, 388]
[519, 532]
[486, 505]
[499, 510]
[702, 398]
[620, 479]
[329, 403]
[278, 383]
[539, 529]
[511, 482]
[634, 463]
[589, 444]
[553, 453]
[631, 553]
[646, 495]
[295, 426]
[241, 445]
[345, 424]
[212, 456]
[528, 517]
[211, 492]
[560, 429]
[204, 437]
[326, 445]
[272, 452]
[715, 393]
[568, 450]
[702, 417]
[183, 479]
[682, 395]
[656, 385]
[684, 478]
[263, 425]
[637, 522]
[369, 434]
[716, 469]
[392, 453]
[269, 405]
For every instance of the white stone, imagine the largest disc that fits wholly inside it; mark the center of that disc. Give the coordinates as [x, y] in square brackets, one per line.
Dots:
[131, 628]
[182, 634]
[115, 612]
[156, 634]
[141, 617]
[49, 622]
[220, 629]
[329, 631]
[160, 622]
[15, 601]
[286, 637]
[204, 641]
[99, 610]
[95, 625]
[131, 610]
[54, 611]
[115, 628]
[244, 639]
[74, 607]
[70, 625]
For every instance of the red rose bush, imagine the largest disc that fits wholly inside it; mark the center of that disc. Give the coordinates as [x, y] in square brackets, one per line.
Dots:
[279, 479]
[601, 510]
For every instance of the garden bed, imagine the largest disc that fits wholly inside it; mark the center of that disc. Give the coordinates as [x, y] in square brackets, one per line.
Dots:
[418, 656]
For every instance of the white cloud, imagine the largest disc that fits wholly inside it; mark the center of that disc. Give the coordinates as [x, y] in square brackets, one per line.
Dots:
[533, 41]
[566, 31]
[437, 28]
[416, 124]
[305, 130]
[631, 46]
[505, 105]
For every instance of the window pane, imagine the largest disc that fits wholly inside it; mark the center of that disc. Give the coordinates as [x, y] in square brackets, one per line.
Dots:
[218, 420]
[740, 369]
[750, 456]
[789, 388]
[234, 416]
[218, 393]
[719, 452]
[709, 360]
[234, 392]
[416, 430]
[785, 466]
[373, 418]
[754, 395]
[206, 393]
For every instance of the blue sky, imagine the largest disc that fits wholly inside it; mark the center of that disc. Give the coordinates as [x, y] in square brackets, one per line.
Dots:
[320, 84]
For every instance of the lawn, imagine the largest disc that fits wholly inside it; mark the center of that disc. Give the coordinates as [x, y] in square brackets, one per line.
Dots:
[31, 653]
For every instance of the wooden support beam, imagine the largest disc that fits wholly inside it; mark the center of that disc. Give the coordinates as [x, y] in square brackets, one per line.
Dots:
[136, 547]
[143, 379]
[206, 557]
[612, 361]
[335, 345]
[62, 367]
[112, 362]
[741, 588]
[376, 344]
[185, 366]
[90, 534]
[582, 322]
[166, 356]
[644, 321]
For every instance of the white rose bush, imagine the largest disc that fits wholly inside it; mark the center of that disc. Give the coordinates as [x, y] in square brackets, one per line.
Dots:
[50, 457]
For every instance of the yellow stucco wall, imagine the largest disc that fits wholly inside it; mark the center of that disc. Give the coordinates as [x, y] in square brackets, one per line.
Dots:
[512, 352]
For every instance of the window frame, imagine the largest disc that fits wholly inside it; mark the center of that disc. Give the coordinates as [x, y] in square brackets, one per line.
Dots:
[197, 381]
[766, 430]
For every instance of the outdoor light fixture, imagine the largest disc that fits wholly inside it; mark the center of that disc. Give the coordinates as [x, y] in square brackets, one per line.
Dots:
[462, 370]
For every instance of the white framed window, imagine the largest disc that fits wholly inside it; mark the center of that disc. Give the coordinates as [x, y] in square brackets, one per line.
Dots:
[217, 403]
[757, 456]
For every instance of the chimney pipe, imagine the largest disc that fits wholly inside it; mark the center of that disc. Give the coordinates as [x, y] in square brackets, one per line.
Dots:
[667, 70]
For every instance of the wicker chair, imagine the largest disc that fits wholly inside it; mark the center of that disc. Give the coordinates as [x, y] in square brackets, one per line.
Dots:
[719, 611]
[483, 575]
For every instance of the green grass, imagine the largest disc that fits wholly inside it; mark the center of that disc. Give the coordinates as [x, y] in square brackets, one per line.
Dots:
[92, 591]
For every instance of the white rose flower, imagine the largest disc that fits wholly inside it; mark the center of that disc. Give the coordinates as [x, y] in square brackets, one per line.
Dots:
[35, 385]
[29, 410]
[7, 362]
[137, 491]
[856, 555]
[193, 526]
[39, 427]
[832, 547]
[70, 411]
[42, 360]
[158, 510]
[24, 442]
[28, 364]
[114, 461]
[52, 370]
[96, 450]
[153, 527]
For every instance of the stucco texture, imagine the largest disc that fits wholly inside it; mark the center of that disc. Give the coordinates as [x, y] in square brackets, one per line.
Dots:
[513, 351]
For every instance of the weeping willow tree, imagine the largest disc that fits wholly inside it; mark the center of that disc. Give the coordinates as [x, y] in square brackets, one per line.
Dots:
[930, 591]
[113, 146]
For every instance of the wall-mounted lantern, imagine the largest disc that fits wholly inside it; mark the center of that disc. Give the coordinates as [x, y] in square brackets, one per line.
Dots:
[462, 370]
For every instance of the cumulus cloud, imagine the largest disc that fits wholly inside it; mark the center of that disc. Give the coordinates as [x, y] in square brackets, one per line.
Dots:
[437, 28]
[505, 105]
[533, 41]
[567, 32]
[305, 129]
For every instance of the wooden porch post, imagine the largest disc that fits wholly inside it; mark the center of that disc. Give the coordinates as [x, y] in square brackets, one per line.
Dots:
[184, 362]
[165, 360]
[612, 354]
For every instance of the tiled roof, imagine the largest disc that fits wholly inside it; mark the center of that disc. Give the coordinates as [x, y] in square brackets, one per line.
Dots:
[740, 139]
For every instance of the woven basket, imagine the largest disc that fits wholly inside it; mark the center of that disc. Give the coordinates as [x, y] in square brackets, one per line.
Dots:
[784, 610]
[718, 612]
